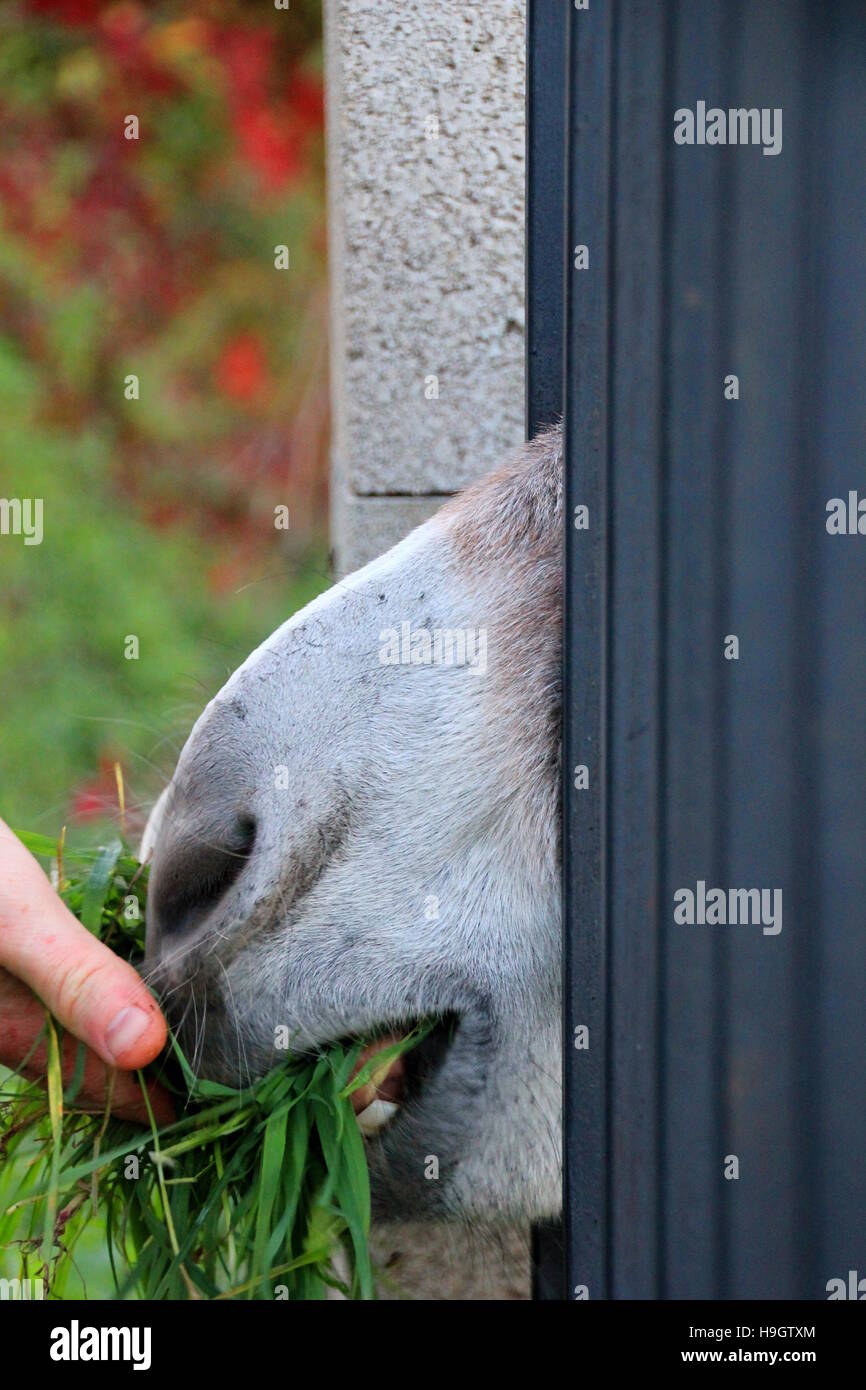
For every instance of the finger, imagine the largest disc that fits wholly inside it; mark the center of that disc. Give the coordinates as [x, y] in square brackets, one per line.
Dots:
[93, 993]
[23, 1018]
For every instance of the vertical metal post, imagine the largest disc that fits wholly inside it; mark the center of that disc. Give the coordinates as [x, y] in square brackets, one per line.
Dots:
[545, 313]
[713, 1117]
[585, 654]
[545, 211]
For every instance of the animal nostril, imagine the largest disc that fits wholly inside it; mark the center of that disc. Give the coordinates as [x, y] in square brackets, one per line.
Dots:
[194, 875]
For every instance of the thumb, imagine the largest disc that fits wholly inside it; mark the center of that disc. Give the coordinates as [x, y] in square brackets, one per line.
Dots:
[93, 993]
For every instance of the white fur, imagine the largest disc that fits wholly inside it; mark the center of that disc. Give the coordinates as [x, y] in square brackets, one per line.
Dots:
[410, 867]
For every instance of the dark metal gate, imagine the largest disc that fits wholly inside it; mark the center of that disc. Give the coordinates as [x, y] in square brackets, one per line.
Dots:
[715, 1072]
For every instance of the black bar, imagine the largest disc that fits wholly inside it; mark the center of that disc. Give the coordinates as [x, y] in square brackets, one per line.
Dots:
[764, 1227]
[639, 166]
[835, 435]
[714, 1041]
[696, 470]
[203, 1339]
[545, 211]
[585, 656]
[545, 313]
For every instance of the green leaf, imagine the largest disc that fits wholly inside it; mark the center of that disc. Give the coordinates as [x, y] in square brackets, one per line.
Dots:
[97, 885]
[54, 1080]
[381, 1060]
[269, 1184]
[77, 1076]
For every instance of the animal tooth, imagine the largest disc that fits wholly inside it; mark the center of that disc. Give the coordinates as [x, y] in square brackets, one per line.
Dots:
[376, 1116]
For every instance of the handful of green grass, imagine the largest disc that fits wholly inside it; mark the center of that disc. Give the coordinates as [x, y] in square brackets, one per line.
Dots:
[250, 1193]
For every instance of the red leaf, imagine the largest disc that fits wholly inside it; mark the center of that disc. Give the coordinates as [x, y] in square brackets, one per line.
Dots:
[241, 369]
[267, 142]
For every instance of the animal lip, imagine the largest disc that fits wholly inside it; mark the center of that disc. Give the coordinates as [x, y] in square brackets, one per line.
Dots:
[380, 1099]
[398, 1081]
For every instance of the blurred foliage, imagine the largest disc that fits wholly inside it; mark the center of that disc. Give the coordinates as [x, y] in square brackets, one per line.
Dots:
[154, 257]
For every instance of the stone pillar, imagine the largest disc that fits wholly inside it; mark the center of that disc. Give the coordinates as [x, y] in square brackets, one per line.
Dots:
[425, 137]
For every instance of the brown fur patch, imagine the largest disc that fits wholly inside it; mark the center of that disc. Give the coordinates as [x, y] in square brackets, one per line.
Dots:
[514, 513]
[506, 534]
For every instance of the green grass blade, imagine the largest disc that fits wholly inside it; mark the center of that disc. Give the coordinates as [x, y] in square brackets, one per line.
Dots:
[55, 1110]
[97, 885]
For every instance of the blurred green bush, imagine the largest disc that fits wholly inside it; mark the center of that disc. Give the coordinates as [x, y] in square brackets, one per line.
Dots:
[155, 258]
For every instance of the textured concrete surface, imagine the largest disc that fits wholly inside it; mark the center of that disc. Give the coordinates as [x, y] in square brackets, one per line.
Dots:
[364, 527]
[426, 240]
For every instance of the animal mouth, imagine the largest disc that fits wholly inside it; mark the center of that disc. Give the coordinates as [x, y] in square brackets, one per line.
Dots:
[401, 1080]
